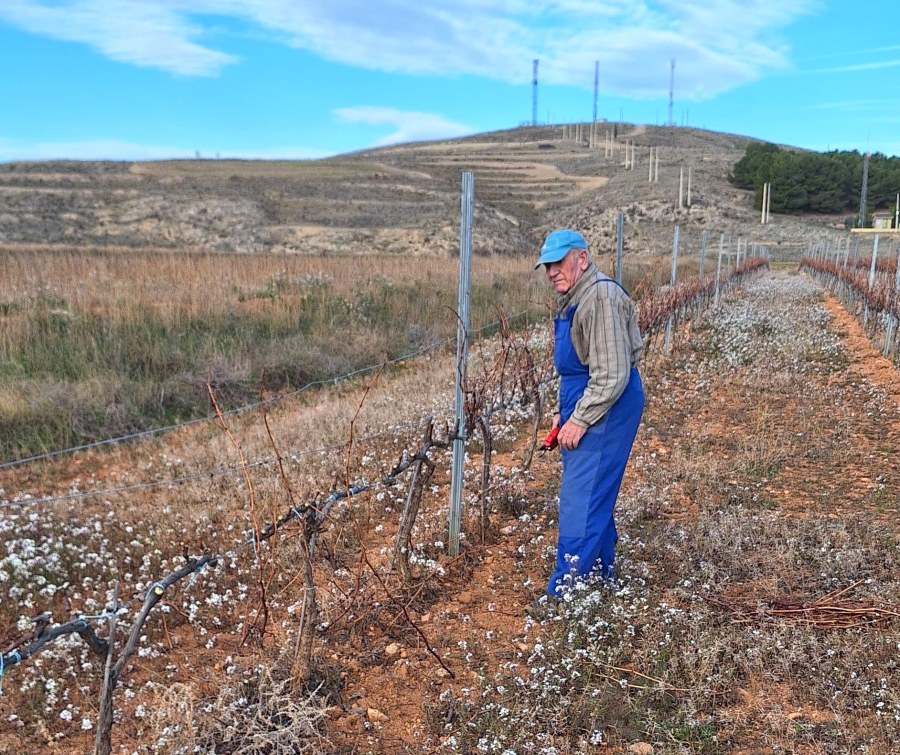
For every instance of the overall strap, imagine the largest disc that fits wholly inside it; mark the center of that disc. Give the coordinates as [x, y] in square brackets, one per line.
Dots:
[614, 282]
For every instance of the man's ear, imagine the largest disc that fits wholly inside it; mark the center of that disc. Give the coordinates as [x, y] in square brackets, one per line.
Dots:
[583, 260]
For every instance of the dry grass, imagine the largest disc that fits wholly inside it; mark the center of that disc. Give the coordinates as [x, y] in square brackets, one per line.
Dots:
[98, 345]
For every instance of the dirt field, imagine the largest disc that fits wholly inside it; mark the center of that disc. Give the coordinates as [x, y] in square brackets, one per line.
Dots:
[757, 610]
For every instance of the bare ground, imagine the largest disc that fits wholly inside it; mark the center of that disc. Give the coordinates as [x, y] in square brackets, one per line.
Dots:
[772, 428]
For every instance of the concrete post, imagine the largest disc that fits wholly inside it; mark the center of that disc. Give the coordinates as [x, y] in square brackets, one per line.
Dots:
[462, 352]
[703, 239]
[620, 244]
[670, 324]
[719, 264]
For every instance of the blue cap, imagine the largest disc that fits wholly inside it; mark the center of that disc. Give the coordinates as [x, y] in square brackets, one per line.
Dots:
[559, 244]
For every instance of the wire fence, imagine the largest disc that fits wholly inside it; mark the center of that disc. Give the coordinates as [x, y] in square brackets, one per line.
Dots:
[868, 286]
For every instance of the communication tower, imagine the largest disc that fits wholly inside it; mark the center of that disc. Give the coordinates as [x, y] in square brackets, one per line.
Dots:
[863, 194]
[671, 92]
[534, 80]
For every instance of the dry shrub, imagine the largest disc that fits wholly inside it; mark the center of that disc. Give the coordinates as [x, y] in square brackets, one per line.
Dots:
[172, 721]
[261, 716]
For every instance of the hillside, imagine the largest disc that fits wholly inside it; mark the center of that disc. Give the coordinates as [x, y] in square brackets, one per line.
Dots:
[402, 199]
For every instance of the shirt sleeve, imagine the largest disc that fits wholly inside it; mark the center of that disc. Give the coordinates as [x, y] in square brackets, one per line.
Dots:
[602, 341]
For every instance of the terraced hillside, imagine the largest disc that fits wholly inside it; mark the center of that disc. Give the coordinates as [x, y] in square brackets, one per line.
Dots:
[402, 199]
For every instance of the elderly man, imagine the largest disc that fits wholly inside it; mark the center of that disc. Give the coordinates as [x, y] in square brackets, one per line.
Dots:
[597, 345]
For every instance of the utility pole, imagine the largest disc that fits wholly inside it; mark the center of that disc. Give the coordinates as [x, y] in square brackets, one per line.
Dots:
[534, 80]
[596, 86]
[863, 194]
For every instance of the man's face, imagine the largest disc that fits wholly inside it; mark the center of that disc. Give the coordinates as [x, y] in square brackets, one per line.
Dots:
[563, 274]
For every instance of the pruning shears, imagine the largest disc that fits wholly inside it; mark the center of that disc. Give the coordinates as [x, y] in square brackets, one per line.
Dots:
[550, 442]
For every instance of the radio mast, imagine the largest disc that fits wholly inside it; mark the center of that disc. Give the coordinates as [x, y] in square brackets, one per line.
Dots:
[863, 194]
[672, 92]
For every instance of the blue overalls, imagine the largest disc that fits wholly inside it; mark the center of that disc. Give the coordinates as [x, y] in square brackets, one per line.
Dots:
[592, 473]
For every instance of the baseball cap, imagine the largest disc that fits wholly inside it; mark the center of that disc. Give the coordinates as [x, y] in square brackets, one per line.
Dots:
[558, 244]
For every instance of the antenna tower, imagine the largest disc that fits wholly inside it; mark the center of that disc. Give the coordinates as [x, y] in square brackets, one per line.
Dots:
[596, 86]
[863, 194]
[671, 92]
[534, 80]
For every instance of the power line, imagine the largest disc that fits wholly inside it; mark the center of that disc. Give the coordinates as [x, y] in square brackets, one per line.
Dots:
[143, 434]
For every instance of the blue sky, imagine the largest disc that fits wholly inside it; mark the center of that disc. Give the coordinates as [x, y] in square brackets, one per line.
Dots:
[148, 79]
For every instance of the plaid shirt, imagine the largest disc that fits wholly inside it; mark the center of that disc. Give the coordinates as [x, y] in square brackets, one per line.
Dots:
[606, 339]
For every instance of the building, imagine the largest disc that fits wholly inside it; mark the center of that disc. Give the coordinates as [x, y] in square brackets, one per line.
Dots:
[883, 219]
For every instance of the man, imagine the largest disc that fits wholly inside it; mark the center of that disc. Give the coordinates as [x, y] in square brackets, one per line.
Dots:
[596, 347]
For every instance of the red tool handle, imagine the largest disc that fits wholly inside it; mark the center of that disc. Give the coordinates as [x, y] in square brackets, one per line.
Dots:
[550, 442]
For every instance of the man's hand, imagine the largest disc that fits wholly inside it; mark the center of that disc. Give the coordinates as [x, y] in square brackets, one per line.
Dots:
[570, 435]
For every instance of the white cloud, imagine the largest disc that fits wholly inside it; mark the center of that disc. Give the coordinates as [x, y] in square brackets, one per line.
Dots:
[142, 33]
[99, 149]
[718, 44]
[860, 67]
[407, 126]
[111, 149]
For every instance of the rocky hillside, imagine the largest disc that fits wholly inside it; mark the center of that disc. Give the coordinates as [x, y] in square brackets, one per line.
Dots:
[402, 199]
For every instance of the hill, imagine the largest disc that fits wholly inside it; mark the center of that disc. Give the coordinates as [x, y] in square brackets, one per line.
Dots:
[400, 199]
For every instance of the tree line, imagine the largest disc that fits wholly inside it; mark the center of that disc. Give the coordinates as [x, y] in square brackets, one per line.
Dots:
[827, 182]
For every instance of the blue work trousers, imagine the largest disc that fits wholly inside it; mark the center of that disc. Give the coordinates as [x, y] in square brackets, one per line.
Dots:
[591, 477]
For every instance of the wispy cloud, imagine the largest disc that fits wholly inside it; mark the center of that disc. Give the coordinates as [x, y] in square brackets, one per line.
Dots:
[845, 53]
[860, 67]
[141, 33]
[857, 106]
[718, 44]
[111, 149]
[407, 126]
[99, 149]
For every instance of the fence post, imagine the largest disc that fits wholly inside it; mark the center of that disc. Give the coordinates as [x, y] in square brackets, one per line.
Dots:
[671, 321]
[703, 240]
[893, 323]
[872, 264]
[870, 280]
[719, 264]
[620, 244]
[462, 351]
